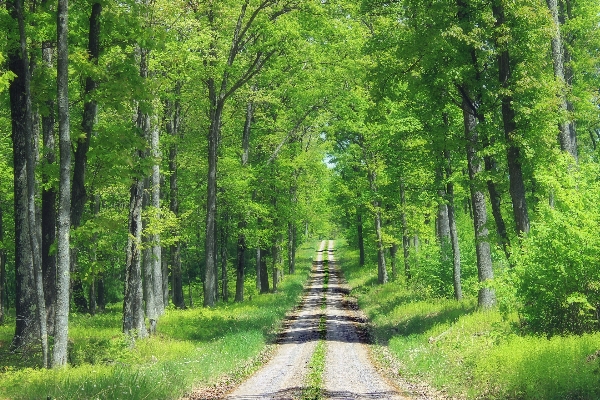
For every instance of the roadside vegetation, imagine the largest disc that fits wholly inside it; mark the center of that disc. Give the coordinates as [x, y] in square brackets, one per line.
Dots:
[193, 348]
[467, 353]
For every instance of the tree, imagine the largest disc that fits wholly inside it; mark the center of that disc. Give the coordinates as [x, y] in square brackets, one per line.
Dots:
[31, 316]
[63, 284]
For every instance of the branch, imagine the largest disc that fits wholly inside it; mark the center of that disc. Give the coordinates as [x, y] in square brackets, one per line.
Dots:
[291, 133]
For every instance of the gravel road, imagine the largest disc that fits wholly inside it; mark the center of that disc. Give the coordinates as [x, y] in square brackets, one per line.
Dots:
[349, 373]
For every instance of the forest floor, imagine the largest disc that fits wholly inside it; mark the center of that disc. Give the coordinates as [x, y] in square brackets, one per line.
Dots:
[323, 351]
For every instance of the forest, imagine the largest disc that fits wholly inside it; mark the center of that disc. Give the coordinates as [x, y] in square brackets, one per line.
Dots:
[167, 167]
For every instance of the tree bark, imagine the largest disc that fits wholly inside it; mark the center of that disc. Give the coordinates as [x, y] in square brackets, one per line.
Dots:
[264, 273]
[147, 261]
[79, 195]
[241, 241]
[382, 276]
[216, 112]
[49, 203]
[59, 355]
[566, 127]
[2, 270]
[361, 240]
[393, 256]
[405, 237]
[133, 311]
[486, 297]
[156, 259]
[496, 202]
[291, 247]
[31, 307]
[224, 257]
[456, 273]
[513, 151]
[173, 122]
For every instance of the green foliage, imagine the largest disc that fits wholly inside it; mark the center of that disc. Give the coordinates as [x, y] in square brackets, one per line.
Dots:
[470, 354]
[558, 280]
[193, 347]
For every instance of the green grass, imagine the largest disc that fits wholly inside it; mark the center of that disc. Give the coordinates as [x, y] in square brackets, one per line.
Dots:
[471, 354]
[192, 348]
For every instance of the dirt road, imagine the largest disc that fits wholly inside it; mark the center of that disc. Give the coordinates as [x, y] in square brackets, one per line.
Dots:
[348, 374]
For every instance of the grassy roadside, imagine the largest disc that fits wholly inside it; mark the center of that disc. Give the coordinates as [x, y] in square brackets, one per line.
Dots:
[470, 354]
[194, 347]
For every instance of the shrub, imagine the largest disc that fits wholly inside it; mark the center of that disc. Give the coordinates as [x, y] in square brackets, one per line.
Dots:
[558, 282]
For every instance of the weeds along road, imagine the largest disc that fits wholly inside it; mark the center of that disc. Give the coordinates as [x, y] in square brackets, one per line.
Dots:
[323, 317]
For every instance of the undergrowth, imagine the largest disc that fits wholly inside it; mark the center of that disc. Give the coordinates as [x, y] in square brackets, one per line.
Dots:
[193, 347]
[470, 354]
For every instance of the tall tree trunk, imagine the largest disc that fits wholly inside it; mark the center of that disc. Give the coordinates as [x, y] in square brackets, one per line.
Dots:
[63, 267]
[224, 257]
[496, 202]
[456, 273]
[241, 241]
[133, 311]
[361, 239]
[173, 123]
[443, 222]
[79, 195]
[513, 151]
[240, 265]
[156, 260]
[264, 273]
[394, 258]
[49, 203]
[216, 112]
[566, 127]
[382, 276]
[31, 314]
[291, 245]
[405, 236]
[2, 270]
[486, 298]
[147, 261]
[258, 269]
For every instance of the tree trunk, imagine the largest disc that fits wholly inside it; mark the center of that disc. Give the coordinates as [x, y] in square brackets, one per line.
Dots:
[456, 273]
[443, 223]
[496, 202]
[241, 241]
[224, 256]
[173, 122]
[2, 270]
[30, 308]
[147, 257]
[381, 267]
[405, 237]
[63, 267]
[78, 190]
[264, 273]
[240, 264]
[566, 127]
[361, 240]
[216, 111]
[133, 311]
[486, 298]
[156, 260]
[258, 269]
[291, 245]
[49, 203]
[393, 256]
